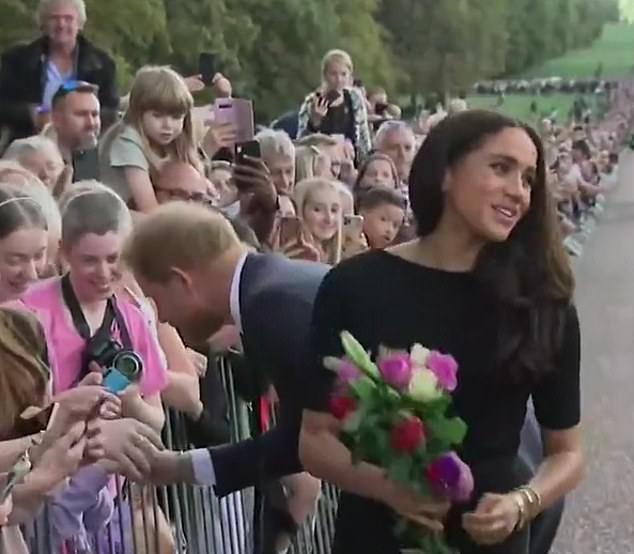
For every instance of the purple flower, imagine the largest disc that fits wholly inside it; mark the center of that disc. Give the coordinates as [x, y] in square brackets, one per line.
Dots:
[348, 372]
[396, 370]
[449, 477]
[445, 368]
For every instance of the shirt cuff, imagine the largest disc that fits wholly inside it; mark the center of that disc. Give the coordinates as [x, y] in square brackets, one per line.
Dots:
[203, 466]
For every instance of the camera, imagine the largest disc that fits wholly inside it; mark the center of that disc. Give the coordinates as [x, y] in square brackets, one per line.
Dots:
[121, 366]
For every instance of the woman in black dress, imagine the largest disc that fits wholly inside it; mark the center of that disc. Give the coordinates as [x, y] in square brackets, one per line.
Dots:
[487, 281]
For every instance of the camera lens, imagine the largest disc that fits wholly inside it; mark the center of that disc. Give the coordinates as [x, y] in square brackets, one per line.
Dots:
[129, 364]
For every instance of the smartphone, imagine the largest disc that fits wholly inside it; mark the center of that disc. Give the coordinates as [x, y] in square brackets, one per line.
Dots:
[86, 165]
[15, 476]
[353, 225]
[207, 67]
[379, 108]
[250, 148]
[332, 96]
[290, 229]
[238, 112]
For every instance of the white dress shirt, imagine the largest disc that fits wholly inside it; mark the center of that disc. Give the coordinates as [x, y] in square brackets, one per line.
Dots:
[202, 463]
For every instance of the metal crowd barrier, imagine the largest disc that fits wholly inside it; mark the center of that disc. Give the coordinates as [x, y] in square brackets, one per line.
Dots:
[181, 519]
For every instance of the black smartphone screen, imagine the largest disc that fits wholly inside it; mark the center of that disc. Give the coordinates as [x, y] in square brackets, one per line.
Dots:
[86, 165]
[332, 96]
[380, 108]
[250, 149]
[207, 67]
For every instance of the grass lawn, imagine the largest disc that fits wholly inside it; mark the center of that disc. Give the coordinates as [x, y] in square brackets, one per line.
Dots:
[614, 48]
[519, 105]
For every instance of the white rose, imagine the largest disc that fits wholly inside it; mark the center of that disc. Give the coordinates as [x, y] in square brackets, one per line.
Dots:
[423, 386]
[418, 354]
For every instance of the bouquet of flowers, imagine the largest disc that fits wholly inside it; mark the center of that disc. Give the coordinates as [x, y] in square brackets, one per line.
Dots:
[393, 414]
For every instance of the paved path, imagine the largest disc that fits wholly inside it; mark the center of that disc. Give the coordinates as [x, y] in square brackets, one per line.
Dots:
[600, 515]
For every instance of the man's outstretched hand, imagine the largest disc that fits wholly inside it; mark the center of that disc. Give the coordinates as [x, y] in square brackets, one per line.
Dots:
[122, 446]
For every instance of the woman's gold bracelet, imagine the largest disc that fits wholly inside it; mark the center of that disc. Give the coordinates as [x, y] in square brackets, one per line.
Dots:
[520, 502]
[531, 501]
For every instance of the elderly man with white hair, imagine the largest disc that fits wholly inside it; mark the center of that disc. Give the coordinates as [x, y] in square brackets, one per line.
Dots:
[31, 74]
[278, 153]
[396, 139]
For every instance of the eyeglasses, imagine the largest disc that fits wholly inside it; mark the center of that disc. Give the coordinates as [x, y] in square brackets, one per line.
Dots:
[184, 196]
[73, 85]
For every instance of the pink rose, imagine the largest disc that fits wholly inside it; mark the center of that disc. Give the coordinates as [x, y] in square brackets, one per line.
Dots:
[396, 370]
[445, 368]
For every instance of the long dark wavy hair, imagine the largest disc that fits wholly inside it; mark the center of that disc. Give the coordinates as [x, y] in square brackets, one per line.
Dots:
[529, 273]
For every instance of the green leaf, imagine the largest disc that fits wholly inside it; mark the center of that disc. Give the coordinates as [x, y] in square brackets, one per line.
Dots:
[400, 469]
[365, 389]
[354, 350]
[352, 423]
[452, 430]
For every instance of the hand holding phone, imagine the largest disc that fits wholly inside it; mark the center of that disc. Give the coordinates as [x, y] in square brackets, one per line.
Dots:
[6, 507]
[290, 230]
[353, 225]
[245, 150]
[332, 96]
[237, 112]
[15, 476]
[380, 108]
[318, 109]
[207, 67]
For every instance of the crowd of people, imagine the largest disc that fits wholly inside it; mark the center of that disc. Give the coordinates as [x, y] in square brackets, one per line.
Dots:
[99, 254]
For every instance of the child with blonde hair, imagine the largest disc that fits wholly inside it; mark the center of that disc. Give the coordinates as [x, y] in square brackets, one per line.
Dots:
[157, 127]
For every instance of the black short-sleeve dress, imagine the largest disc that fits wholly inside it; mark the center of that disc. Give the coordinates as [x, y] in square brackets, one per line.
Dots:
[383, 299]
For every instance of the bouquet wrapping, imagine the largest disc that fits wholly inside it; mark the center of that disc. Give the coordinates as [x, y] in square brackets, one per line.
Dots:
[394, 413]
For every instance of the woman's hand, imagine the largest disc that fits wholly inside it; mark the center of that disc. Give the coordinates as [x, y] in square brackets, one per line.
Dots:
[60, 459]
[353, 245]
[194, 83]
[493, 520]
[219, 135]
[318, 109]
[301, 249]
[129, 397]
[111, 408]
[5, 510]
[426, 512]
[255, 186]
[198, 360]
[80, 404]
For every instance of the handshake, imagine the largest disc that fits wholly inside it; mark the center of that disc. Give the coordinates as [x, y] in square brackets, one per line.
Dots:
[85, 427]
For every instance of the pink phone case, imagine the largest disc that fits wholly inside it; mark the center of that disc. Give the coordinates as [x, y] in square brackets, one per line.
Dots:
[238, 111]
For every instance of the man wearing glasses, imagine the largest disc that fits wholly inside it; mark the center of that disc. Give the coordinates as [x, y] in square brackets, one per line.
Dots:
[179, 181]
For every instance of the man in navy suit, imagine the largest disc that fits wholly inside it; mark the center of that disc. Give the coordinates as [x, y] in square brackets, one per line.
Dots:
[216, 281]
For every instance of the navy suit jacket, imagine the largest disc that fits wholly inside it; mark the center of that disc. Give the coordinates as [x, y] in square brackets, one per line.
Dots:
[276, 304]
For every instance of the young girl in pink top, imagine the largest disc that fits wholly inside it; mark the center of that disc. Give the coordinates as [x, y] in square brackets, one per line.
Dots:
[95, 222]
